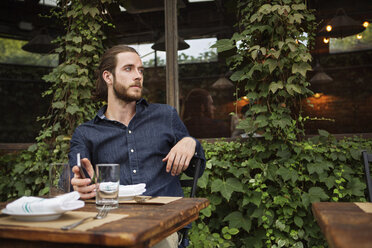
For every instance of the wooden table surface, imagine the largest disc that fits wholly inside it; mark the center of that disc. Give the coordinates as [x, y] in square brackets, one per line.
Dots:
[344, 224]
[146, 225]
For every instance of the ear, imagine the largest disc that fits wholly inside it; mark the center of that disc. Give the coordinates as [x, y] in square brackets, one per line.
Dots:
[108, 77]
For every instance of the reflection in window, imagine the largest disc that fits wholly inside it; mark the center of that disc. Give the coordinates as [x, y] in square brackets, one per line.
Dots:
[198, 52]
[199, 116]
[359, 42]
[11, 53]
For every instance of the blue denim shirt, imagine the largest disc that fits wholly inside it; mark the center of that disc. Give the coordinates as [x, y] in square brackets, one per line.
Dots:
[139, 147]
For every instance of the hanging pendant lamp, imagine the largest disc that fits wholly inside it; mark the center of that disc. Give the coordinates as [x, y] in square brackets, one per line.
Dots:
[222, 84]
[320, 76]
[41, 43]
[159, 45]
[341, 26]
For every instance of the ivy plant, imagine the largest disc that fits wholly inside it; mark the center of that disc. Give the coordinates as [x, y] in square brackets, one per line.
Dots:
[72, 81]
[270, 60]
[267, 202]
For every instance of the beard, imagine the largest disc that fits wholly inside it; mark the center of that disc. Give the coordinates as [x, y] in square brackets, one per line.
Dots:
[122, 93]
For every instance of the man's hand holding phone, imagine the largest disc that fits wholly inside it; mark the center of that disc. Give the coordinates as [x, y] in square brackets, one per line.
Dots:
[82, 184]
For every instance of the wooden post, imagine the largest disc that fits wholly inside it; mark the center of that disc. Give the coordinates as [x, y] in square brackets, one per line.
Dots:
[171, 47]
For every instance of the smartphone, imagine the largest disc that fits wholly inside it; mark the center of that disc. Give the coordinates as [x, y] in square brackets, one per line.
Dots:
[82, 174]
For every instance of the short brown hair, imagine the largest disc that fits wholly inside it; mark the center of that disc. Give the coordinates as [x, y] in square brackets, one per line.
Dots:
[108, 63]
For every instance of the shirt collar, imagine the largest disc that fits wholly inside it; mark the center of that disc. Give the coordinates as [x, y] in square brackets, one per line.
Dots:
[101, 112]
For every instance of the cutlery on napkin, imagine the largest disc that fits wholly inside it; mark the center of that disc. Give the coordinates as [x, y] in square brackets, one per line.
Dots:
[37, 205]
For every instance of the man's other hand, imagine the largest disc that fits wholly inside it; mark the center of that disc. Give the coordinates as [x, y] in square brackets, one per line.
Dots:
[180, 156]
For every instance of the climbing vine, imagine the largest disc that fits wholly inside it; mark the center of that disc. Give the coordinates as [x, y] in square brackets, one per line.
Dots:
[72, 81]
[270, 60]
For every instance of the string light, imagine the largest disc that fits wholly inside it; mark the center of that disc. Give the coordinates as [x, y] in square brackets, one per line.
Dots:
[326, 40]
[359, 36]
[365, 24]
[329, 28]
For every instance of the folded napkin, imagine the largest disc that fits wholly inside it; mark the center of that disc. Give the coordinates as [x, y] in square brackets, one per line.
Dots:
[132, 190]
[109, 187]
[37, 205]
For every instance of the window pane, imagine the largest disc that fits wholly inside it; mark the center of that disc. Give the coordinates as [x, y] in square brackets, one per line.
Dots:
[11, 53]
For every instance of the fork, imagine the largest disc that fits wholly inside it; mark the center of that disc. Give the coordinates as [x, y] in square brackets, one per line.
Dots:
[100, 215]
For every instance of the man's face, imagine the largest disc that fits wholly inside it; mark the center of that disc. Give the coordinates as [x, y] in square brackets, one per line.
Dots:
[128, 77]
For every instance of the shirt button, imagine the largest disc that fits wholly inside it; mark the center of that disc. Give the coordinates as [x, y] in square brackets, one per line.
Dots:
[131, 150]
[134, 171]
[129, 131]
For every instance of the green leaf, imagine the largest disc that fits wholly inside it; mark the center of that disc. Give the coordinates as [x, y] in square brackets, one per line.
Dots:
[298, 221]
[257, 108]
[255, 198]
[58, 105]
[88, 48]
[280, 200]
[93, 11]
[265, 9]
[323, 133]
[318, 168]
[292, 46]
[291, 88]
[70, 69]
[301, 68]
[236, 76]
[77, 39]
[255, 67]
[297, 17]
[300, 6]
[315, 194]
[287, 174]
[237, 220]
[280, 225]
[72, 109]
[223, 45]
[272, 64]
[356, 187]
[275, 86]
[226, 188]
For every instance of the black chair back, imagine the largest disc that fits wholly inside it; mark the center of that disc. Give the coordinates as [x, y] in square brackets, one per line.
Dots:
[367, 158]
[193, 183]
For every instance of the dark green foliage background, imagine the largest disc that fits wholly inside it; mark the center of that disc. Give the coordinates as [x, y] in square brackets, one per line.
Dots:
[266, 191]
[260, 189]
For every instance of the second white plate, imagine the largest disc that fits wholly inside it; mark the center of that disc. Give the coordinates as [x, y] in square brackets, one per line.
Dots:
[33, 217]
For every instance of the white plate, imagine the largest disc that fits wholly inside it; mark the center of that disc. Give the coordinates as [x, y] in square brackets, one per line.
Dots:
[33, 217]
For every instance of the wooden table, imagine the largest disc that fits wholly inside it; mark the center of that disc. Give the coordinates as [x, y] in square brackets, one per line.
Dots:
[145, 226]
[344, 224]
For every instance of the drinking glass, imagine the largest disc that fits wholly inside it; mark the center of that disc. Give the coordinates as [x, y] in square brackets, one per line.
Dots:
[107, 186]
[59, 179]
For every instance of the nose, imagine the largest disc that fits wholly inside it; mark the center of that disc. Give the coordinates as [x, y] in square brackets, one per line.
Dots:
[139, 74]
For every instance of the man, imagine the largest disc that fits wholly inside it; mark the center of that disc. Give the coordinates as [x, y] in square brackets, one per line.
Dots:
[149, 141]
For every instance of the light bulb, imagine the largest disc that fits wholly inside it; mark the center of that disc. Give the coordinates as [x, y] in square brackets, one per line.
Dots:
[365, 24]
[326, 40]
[317, 95]
[329, 28]
[359, 36]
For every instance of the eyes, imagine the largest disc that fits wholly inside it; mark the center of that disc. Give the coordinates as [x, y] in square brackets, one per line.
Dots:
[130, 68]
